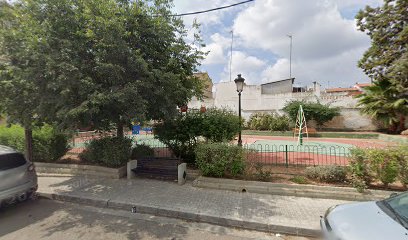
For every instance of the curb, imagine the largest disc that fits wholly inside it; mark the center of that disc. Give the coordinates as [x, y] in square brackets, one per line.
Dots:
[77, 169]
[189, 216]
[304, 190]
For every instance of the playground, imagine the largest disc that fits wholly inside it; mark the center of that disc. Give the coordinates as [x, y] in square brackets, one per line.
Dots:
[298, 150]
[269, 150]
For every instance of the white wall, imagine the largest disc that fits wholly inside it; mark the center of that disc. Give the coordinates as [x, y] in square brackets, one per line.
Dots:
[226, 96]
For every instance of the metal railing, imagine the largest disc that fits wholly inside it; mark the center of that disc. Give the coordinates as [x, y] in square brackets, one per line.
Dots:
[283, 155]
[297, 156]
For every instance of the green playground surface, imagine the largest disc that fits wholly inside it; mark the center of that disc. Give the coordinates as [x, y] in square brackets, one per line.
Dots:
[317, 147]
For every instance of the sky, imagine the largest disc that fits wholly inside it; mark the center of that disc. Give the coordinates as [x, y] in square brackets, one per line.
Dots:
[326, 42]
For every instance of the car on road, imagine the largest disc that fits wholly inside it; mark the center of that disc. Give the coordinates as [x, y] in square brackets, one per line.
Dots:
[18, 179]
[375, 220]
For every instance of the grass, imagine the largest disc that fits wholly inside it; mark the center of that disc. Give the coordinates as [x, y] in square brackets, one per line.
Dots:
[320, 134]
[299, 180]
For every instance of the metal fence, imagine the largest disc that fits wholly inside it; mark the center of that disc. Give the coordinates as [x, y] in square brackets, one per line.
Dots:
[297, 156]
[284, 155]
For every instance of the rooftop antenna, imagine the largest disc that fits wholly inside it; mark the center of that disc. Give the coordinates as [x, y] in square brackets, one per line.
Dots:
[232, 41]
[290, 57]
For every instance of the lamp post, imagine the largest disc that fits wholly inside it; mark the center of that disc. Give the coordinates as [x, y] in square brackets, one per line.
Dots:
[239, 81]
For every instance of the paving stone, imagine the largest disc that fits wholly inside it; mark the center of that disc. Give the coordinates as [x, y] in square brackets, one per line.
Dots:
[196, 203]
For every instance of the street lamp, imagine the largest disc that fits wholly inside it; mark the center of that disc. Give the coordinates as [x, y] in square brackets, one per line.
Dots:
[239, 81]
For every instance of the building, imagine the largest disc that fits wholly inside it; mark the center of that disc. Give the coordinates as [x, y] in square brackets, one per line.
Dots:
[357, 89]
[281, 86]
[264, 99]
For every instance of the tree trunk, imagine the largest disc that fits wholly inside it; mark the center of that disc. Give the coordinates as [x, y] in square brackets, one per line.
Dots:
[119, 130]
[28, 143]
[401, 126]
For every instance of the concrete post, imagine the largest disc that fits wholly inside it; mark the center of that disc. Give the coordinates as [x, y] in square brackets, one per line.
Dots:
[182, 173]
[132, 164]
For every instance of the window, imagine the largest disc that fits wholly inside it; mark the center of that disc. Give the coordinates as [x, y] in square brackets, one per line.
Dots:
[11, 160]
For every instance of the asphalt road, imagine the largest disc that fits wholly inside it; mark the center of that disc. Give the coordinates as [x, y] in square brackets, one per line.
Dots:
[46, 219]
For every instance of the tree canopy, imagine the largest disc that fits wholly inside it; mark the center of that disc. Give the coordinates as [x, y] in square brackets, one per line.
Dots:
[386, 62]
[313, 111]
[100, 63]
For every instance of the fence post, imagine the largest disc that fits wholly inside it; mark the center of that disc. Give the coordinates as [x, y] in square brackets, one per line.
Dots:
[286, 156]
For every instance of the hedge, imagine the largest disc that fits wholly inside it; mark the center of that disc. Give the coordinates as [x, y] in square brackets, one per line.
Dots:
[48, 144]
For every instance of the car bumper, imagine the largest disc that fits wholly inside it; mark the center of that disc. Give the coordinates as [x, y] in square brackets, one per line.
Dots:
[13, 193]
[326, 229]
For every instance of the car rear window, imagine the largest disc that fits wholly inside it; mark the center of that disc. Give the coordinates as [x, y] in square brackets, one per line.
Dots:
[11, 160]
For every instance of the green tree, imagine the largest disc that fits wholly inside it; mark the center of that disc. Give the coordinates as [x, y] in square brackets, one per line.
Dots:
[22, 64]
[321, 113]
[108, 62]
[182, 132]
[386, 62]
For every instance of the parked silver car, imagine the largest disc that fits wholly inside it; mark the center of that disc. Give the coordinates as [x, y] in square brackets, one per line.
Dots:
[382, 220]
[18, 179]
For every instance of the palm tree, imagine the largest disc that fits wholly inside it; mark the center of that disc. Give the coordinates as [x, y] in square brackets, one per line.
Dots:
[382, 102]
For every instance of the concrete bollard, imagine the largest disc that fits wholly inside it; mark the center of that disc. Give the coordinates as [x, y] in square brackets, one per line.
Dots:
[132, 164]
[182, 173]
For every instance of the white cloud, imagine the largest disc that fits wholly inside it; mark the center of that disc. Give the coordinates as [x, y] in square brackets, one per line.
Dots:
[215, 55]
[317, 27]
[278, 71]
[249, 66]
[338, 70]
[217, 50]
[326, 46]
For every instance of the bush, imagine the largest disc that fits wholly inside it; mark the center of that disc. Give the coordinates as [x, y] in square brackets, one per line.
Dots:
[48, 143]
[401, 154]
[280, 123]
[142, 150]
[220, 159]
[261, 174]
[272, 122]
[299, 180]
[108, 151]
[328, 174]
[313, 111]
[182, 133]
[384, 163]
[359, 166]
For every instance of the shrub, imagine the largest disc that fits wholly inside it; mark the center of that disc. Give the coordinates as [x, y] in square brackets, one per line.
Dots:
[299, 180]
[142, 150]
[328, 174]
[108, 151]
[264, 121]
[384, 164]
[313, 111]
[48, 143]
[220, 159]
[280, 123]
[359, 166]
[401, 153]
[182, 133]
[261, 174]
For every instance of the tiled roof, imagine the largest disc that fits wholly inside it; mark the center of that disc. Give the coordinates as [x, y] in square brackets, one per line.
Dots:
[363, 84]
[341, 90]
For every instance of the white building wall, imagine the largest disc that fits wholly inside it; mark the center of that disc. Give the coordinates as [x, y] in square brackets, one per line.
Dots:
[226, 96]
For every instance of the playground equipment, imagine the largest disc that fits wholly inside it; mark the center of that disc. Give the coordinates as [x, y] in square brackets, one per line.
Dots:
[300, 127]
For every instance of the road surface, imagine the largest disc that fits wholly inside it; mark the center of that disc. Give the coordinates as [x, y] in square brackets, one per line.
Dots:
[46, 219]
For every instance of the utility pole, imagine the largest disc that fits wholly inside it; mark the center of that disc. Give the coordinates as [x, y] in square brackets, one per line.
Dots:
[290, 57]
[232, 41]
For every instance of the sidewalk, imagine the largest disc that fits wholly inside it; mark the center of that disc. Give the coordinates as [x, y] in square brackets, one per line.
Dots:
[278, 214]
